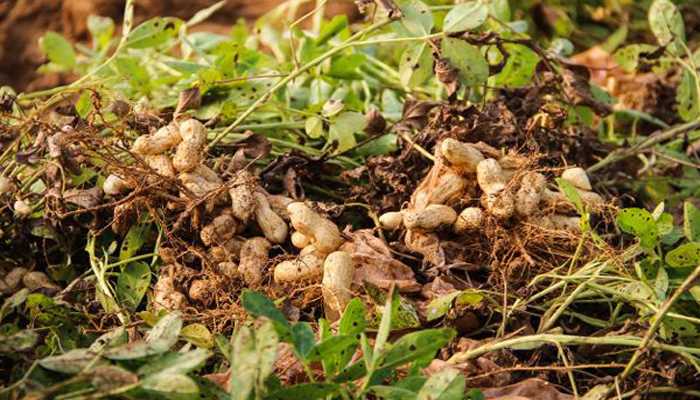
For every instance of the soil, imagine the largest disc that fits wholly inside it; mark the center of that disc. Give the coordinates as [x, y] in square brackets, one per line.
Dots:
[23, 22]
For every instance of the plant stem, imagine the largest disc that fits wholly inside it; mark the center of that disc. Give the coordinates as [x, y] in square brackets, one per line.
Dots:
[630, 341]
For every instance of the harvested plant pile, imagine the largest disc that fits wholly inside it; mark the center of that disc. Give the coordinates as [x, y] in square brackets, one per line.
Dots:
[436, 203]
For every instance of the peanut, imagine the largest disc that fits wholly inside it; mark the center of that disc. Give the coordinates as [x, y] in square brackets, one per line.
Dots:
[489, 175]
[208, 174]
[299, 240]
[308, 266]
[391, 221]
[254, 256]
[528, 197]
[229, 250]
[114, 185]
[469, 220]
[272, 225]
[429, 218]
[279, 204]
[165, 295]
[161, 164]
[221, 229]
[164, 139]
[338, 270]
[463, 156]
[500, 205]
[577, 177]
[14, 277]
[6, 185]
[242, 198]
[449, 188]
[190, 151]
[322, 232]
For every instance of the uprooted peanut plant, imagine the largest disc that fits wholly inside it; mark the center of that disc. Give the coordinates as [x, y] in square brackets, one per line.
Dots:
[440, 201]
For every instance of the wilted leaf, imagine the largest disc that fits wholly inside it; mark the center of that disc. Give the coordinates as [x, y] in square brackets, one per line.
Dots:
[110, 377]
[170, 383]
[70, 362]
[305, 391]
[176, 363]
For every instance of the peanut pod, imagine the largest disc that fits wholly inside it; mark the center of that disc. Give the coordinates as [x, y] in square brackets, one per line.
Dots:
[161, 141]
[219, 230]
[500, 205]
[577, 177]
[528, 197]
[463, 156]
[308, 266]
[469, 220]
[254, 256]
[430, 218]
[322, 232]
[490, 177]
[272, 225]
[391, 220]
[338, 270]
[114, 185]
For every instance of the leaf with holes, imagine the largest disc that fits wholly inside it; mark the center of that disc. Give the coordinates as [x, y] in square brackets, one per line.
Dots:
[416, 65]
[520, 66]
[417, 19]
[685, 255]
[198, 335]
[416, 345]
[467, 59]
[133, 283]
[687, 97]
[153, 33]
[640, 223]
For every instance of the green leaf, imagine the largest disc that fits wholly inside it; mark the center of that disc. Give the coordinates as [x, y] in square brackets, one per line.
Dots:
[84, 104]
[465, 17]
[417, 19]
[314, 127]
[353, 321]
[331, 28]
[416, 65]
[260, 306]
[500, 9]
[384, 144]
[628, 56]
[416, 345]
[58, 50]
[447, 384]
[170, 383]
[685, 255]
[133, 283]
[344, 127]
[135, 238]
[666, 23]
[571, 194]
[687, 97]
[305, 391]
[640, 223]
[441, 305]
[691, 221]
[176, 363]
[303, 338]
[115, 337]
[390, 307]
[328, 349]
[198, 335]
[153, 33]
[347, 66]
[467, 59]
